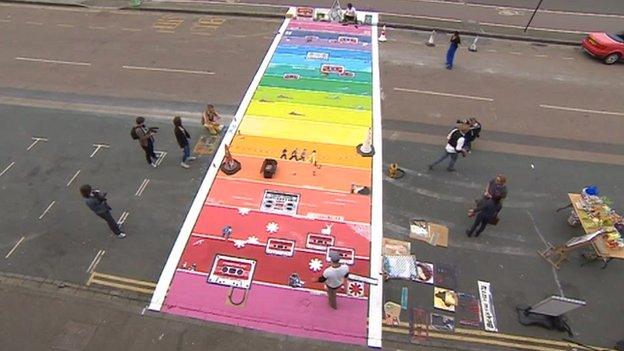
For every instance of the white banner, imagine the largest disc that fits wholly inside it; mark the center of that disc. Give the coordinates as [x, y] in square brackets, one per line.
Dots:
[487, 307]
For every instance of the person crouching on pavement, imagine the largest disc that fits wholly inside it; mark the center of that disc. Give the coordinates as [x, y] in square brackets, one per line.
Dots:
[333, 277]
[486, 213]
[349, 16]
[209, 120]
[473, 132]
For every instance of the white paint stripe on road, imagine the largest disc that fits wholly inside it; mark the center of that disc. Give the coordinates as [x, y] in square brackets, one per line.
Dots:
[96, 27]
[581, 110]
[35, 141]
[515, 53]
[444, 94]
[568, 58]
[131, 29]
[533, 28]
[161, 156]
[96, 261]
[15, 247]
[47, 209]
[72, 178]
[541, 55]
[142, 187]
[72, 63]
[65, 25]
[97, 148]
[34, 23]
[123, 218]
[7, 168]
[173, 70]
[4, 20]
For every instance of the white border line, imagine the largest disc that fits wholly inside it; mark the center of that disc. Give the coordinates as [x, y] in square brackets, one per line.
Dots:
[375, 299]
[185, 232]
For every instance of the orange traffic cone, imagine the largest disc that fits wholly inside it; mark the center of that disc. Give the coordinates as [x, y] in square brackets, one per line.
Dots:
[382, 37]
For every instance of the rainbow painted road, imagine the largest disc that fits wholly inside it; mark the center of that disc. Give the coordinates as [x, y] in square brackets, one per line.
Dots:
[252, 248]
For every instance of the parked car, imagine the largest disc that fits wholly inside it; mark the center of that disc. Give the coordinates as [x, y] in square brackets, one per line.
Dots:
[605, 46]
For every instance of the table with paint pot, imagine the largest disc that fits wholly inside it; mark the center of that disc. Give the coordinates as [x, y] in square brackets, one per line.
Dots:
[594, 216]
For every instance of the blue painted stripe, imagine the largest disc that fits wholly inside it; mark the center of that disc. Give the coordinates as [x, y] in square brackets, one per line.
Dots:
[333, 53]
[300, 61]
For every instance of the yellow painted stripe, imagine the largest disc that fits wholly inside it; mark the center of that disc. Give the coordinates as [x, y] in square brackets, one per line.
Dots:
[125, 280]
[477, 340]
[122, 286]
[301, 112]
[317, 132]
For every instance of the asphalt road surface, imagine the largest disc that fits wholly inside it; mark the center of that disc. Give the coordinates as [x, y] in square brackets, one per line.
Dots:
[551, 119]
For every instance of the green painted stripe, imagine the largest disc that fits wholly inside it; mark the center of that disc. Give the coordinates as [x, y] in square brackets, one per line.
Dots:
[316, 98]
[318, 85]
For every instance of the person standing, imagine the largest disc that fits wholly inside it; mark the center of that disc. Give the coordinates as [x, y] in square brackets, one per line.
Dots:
[454, 145]
[96, 201]
[333, 277]
[450, 54]
[486, 213]
[146, 140]
[182, 137]
[474, 131]
[496, 188]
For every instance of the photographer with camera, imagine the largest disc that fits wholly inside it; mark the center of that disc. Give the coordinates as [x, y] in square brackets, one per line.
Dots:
[96, 201]
[145, 136]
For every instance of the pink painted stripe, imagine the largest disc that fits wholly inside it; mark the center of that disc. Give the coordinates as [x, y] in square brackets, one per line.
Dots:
[271, 309]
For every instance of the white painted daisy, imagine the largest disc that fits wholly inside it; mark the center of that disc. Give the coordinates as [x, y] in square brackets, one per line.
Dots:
[272, 227]
[243, 211]
[315, 265]
[253, 240]
[239, 244]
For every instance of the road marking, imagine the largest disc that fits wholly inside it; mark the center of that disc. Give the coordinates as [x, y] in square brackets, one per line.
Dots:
[515, 53]
[174, 70]
[540, 55]
[35, 141]
[444, 94]
[96, 261]
[15, 247]
[96, 27]
[72, 179]
[7, 168]
[34, 23]
[65, 25]
[114, 281]
[31, 59]
[568, 58]
[142, 187]
[546, 244]
[4, 20]
[533, 28]
[168, 23]
[161, 156]
[47, 209]
[131, 29]
[574, 109]
[98, 147]
[491, 50]
[123, 218]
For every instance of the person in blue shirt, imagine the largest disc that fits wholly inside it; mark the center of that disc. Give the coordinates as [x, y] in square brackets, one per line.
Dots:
[450, 54]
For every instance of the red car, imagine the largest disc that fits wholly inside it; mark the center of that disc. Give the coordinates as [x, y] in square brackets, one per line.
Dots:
[605, 46]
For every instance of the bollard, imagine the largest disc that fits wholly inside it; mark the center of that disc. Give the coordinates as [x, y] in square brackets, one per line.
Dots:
[430, 41]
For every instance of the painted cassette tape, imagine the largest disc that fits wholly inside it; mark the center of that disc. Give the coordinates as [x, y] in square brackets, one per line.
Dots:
[232, 271]
[347, 255]
[280, 247]
[348, 40]
[328, 68]
[319, 241]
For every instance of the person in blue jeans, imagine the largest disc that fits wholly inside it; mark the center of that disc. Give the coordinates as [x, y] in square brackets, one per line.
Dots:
[450, 54]
[182, 137]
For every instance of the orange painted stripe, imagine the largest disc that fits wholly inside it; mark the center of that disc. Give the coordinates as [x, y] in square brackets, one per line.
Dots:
[302, 175]
[239, 193]
[326, 154]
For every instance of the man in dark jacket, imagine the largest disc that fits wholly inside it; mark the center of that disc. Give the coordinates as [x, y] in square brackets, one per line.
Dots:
[182, 137]
[485, 212]
[96, 201]
[146, 140]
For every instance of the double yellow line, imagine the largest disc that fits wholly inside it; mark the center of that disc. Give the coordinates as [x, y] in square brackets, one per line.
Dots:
[493, 339]
[114, 281]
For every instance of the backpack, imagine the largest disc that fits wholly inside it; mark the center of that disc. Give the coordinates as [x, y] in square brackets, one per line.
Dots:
[133, 133]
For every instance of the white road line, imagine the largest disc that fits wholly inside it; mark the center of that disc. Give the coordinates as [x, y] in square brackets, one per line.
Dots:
[491, 50]
[96, 261]
[35, 141]
[515, 53]
[131, 29]
[554, 271]
[32, 59]
[574, 109]
[72, 178]
[7, 169]
[65, 25]
[4, 20]
[34, 23]
[97, 148]
[96, 27]
[123, 218]
[15, 247]
[568, 58]
[47, 209]
[161, 156]
[173, 70]
[444, 94]
[533, 28]
[142, 187]
[540, 55]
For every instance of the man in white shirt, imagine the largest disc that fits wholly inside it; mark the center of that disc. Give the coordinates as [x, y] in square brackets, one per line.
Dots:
[350, 15]
[333, 277]
[455, 145]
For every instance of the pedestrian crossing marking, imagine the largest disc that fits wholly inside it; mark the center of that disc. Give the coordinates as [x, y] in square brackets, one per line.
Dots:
[168, 23]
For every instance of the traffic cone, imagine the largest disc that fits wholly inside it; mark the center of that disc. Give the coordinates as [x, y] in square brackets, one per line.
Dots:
[430, 41]
[382, 37]
[473, 46]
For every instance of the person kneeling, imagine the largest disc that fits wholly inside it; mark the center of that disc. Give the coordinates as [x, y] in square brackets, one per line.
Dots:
[349, 16]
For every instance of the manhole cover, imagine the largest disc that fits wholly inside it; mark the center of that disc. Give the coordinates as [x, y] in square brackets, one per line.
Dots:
[74, 337]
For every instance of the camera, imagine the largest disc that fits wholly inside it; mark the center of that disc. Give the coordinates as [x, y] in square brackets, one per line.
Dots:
[153, 129]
